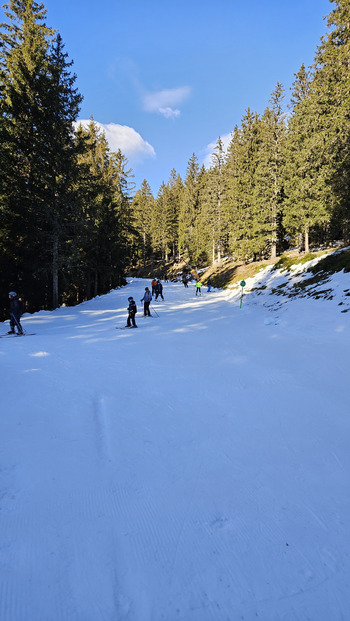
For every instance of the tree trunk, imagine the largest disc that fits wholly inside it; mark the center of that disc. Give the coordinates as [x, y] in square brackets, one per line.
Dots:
[306, 236]
[55, 264]
[88, 286]
[273, 249]
[144, 250]
[96, 284]
[55, 274]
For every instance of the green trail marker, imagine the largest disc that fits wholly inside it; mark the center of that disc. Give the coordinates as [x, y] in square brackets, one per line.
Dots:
[242, 283]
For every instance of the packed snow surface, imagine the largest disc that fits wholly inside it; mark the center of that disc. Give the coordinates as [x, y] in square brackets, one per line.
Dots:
[193, 469]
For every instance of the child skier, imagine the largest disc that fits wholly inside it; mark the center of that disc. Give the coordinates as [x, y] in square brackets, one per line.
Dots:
[132, 312]
[16, 311]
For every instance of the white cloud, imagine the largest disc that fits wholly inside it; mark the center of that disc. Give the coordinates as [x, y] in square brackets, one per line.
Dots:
[209, 150]
[125, 138]
[165, 102]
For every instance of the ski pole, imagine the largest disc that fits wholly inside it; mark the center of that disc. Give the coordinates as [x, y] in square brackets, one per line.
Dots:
[242, 283]
[154, 311]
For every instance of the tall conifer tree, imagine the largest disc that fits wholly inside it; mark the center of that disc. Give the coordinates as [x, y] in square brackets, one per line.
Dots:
[213, 201]
[143, 207]
[330, 95]
[242, 161]
[24, 60]
[268, 191]
[188, 211]
[304, 185]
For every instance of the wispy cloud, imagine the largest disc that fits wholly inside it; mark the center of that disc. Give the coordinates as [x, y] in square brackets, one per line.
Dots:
[165, 102]
[125, 138]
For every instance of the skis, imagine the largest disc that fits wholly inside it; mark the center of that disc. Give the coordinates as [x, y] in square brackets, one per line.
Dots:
[125, 327]
[10, 336]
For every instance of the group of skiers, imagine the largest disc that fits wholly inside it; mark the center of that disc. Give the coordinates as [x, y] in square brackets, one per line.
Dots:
[198, 283]
[16, 307]
[157, 290]
[199, 286]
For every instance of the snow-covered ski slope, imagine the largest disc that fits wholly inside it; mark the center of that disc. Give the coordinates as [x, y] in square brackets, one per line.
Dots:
[194, 469]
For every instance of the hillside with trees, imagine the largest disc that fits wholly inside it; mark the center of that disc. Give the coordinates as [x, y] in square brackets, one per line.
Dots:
[71, 223]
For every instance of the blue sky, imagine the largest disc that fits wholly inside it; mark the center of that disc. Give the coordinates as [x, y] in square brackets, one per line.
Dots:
[168, 78]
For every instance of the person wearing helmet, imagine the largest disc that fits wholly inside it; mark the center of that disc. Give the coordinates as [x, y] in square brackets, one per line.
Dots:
[16, 310]
[147, 299]
[132, 312]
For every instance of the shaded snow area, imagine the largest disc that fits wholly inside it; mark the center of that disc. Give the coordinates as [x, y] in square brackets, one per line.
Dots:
[194, 469]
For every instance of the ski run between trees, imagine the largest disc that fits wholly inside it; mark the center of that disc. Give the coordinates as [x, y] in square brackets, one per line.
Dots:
[194, 469]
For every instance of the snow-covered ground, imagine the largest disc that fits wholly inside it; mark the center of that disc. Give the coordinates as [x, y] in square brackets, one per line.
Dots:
[194, 469]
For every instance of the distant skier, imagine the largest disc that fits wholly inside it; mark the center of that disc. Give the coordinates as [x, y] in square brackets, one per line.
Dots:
[16, 310]
[159, 290]
[154, 284]
[147, 299]
[132, 312]
[198, 287]
[209, 284]
[185, 281]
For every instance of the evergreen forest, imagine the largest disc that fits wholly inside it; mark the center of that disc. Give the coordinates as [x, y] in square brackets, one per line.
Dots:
[72, 223]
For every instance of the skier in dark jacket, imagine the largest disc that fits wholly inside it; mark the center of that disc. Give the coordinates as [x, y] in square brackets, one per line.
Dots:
[159, 290]
[16, 311]
[132, 312]
[147, 299]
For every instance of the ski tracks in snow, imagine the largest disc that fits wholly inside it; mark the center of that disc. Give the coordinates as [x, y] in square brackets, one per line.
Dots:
[101, 431]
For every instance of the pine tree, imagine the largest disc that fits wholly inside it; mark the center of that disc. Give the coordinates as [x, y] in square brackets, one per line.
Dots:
[24, 66]
[330, 95]
[100, 246]
[160, 228]
[143, 207]
[242, 162]
[166, 217]
[268, 191]
[214, 202]
[175, 187]
[59, 161]
[305, 207]
[188, 211]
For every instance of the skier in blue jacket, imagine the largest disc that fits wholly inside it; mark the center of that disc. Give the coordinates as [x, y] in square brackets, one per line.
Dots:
[147, 299]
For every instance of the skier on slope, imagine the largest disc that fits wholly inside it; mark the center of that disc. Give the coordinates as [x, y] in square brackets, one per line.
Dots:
[198, 287]
[154, 284]
[132, 312]
[147, 299]
[16, 310]
[159, 290]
